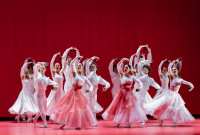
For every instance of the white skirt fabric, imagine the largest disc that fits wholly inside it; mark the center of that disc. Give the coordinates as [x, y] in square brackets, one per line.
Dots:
[52, 100]
[143, 97]
[169, 107]
[25, 104]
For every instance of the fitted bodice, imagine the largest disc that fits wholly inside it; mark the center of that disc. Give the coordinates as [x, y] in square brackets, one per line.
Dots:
[175, 84]
[59, 79]
[164, 81]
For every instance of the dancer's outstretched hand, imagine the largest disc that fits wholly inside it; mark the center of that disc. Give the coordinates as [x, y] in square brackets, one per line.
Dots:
[103, 89]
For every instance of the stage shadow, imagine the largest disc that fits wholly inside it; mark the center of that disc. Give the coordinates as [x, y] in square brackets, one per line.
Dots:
[170, 126]
[123, 127]
[73, 129]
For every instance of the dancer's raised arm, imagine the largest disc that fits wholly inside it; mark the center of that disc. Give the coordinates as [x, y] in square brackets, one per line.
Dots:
[120, 66]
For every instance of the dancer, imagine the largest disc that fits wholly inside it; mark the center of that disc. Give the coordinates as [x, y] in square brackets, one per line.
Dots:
[66, 60]
[91, 72]
[73, 109]
[143, 68]
[114, 77]
[30, 66]
[141, 57]
[25, 103]
[171, 106]
[163, 74]
[124, 108]
[57, 76]
[143, 76]
[40, 83]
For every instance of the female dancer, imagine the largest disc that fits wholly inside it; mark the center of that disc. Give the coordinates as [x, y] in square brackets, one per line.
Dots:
[91, 72]
[73, 109]
[163, 74]
[124, 108]
[114, 77]
[40, 83]
[139, 57]
[66, 60]
[57, 76]
[25, 103]
[171, 106]
[143, 76]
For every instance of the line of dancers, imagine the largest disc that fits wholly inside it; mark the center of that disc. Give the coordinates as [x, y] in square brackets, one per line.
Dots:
[76, 104]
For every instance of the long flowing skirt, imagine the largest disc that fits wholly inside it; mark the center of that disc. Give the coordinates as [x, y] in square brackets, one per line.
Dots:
[25, 104]
[73, 110]
[124, 109]
[94, 106]
[143, 97]
[52, 100]
[169, 107]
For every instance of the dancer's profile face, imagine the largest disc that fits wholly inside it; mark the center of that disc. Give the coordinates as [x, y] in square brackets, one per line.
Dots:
[145, 70]
[126, 69]
[42, 69]
[93, 67]
[174, 72]
[164, 71]
[79, 68]
[69, 60]
[57, 67]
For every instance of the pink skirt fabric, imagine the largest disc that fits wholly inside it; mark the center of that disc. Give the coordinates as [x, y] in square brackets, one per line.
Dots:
[124, 109]
[73, 110]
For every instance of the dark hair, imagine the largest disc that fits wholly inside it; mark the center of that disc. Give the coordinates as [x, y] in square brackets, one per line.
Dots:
[148, 67]
[95, 65]
[68, 57]
[30, 66]
[114, 66]
[129, 66]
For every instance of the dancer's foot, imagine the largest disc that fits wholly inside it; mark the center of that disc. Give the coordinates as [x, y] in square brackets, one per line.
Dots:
[143, 124]
[29, 120]
[17, 118]
[117, 125]
[161, 122]
[62, 126]
[34, 121]
[95, 125]
[128, 126]
[44, 126]
[174, 124]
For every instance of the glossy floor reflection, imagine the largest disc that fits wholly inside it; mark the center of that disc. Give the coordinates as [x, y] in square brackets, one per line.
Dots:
[104, 128]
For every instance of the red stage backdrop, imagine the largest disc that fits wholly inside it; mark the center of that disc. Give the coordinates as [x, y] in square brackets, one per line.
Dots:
[104, 28]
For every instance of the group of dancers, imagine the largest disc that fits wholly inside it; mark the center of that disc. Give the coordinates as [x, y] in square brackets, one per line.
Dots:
[76, 104]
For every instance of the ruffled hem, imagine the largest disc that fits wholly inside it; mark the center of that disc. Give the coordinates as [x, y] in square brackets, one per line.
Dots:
[73, 110]
[97, 108]
[25, 104]
[124, 109]
[179, 115]
[127, 116]
[78, 118]
[169, 107]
